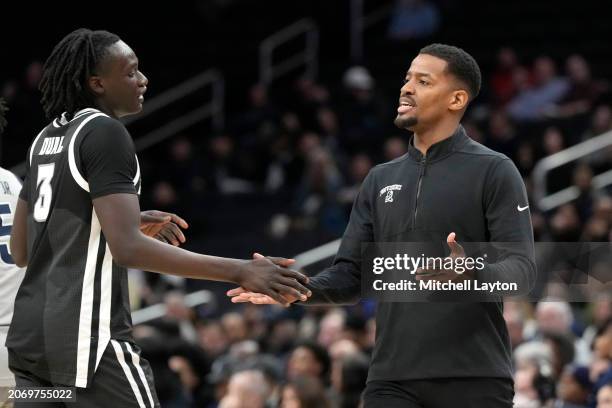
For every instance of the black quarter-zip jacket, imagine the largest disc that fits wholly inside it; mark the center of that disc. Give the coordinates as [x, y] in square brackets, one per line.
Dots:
[458, 186]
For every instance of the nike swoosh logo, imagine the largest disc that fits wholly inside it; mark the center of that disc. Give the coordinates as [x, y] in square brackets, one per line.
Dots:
[518, 207]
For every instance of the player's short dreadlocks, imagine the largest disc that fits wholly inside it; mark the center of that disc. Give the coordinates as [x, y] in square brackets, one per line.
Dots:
[65, 73]
[3, 110]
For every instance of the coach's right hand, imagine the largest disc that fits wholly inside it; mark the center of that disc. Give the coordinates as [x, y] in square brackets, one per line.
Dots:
[265, 276]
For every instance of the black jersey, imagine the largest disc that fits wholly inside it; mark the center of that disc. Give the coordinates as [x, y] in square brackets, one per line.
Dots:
[74, 297]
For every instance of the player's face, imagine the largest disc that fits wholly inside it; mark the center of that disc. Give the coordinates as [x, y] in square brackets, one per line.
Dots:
[123, 84]
[426, 93]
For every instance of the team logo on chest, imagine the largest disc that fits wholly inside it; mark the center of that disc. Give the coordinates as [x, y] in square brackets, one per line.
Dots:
[389, 192]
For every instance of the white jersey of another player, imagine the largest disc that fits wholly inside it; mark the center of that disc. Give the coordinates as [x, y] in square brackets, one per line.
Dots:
[10, 275]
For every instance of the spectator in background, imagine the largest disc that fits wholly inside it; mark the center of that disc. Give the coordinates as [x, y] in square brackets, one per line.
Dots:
[538, 101]
[212, 338]
[359, 167]
[224, 169]
[601, 122]
[554, 317]
[574, 388]
[600, 369]
[283, 333]
[308, 359]
[533, 384]
[525, 159]
[515, 321]
[234, 325]
[362, 114]
[353, 375]
[260, 113]
[184, 171]
[331, 327]
[583, 180]
[329, 129]
[317, 200]
[562, 347]
[503, 84]
[413, 19]
[553, 142]
[565, 224]
[604, 396]
[583, 89]
[311, 96]
[247, 388]
[304, 392]
[393, 148]
[501, 136]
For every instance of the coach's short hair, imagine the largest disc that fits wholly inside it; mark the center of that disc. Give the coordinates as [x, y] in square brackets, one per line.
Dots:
[459, 63]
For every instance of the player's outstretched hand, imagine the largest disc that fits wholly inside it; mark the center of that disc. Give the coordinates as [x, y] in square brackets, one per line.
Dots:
[163, 226]
[283, 287]
[242, 295]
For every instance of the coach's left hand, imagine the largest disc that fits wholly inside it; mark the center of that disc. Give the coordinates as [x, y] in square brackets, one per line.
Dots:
[445, 275]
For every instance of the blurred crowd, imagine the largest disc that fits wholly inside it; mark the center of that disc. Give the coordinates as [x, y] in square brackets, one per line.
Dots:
[311, 145]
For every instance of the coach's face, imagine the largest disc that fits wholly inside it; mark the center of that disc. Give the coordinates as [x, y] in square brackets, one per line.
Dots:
[427, 95]
[119, 84]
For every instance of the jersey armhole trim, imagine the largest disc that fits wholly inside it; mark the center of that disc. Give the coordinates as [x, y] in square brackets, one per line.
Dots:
[76, 175]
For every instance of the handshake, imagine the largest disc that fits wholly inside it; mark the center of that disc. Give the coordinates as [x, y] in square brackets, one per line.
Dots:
[283, 289]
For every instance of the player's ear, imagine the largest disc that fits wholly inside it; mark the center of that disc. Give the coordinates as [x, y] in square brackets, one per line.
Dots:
[95, 85]
[459, 100]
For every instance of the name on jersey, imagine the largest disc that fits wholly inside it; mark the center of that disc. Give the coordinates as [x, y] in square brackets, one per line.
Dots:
[51, 145]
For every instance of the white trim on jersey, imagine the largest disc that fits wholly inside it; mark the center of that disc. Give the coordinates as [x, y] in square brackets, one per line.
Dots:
[136, 362]
[137, 176]
[106, 284]
[34, 144]
[87, 296]
[128, 373]
[80, 180]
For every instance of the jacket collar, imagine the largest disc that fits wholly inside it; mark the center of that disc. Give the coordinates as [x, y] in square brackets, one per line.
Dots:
[441, 149]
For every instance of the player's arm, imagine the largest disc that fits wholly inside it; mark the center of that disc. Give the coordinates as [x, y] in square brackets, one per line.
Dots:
[341, 282]
[119, 216]
[19, 238]
[109, 166]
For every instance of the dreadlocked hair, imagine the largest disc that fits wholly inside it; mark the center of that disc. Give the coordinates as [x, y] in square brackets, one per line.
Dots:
[65, 73]
[3, 110]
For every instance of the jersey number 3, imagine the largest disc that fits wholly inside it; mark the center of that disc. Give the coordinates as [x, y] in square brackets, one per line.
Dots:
[45, 193]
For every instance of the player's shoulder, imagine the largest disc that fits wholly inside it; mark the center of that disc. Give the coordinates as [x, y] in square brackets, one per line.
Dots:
[102, 126]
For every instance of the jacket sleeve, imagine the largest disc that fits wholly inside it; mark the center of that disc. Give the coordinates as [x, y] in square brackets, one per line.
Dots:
[510, 230]
[341, 282]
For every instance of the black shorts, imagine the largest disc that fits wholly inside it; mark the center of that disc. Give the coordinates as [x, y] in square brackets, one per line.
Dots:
[440, 393]
[123, 379]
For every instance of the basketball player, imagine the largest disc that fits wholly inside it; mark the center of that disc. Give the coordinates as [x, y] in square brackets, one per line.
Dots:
[77, 228]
